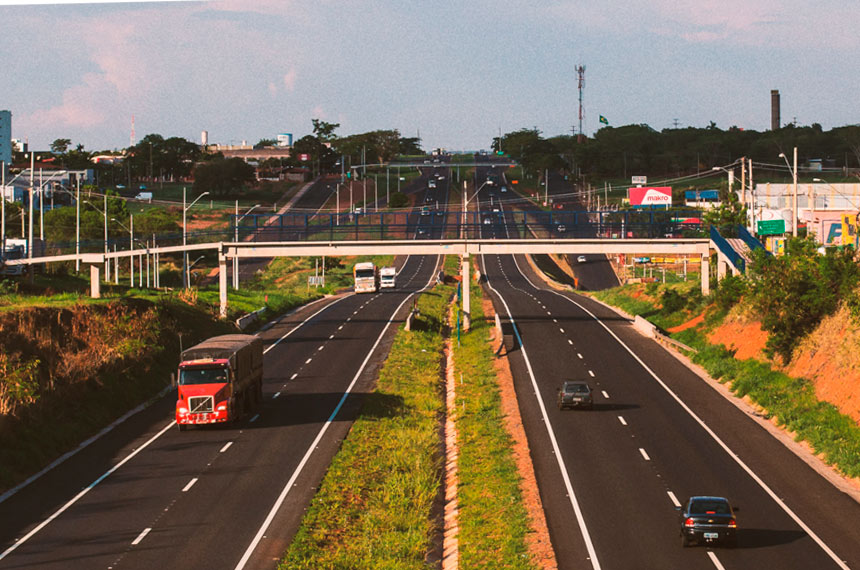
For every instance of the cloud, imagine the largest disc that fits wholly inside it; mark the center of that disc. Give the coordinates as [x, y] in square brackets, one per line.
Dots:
[77, 109]
[290, 80]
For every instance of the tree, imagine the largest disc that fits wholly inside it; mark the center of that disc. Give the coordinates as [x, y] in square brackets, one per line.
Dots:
[60, 146]
[222, 177]
[265, 143]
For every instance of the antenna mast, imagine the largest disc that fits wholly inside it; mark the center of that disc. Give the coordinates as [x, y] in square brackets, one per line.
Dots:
[580, 75]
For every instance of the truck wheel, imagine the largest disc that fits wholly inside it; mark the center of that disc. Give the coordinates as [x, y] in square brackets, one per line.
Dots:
[182, 427]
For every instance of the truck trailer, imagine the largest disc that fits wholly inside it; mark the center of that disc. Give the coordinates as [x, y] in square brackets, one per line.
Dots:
[387, 277]
[219, 380]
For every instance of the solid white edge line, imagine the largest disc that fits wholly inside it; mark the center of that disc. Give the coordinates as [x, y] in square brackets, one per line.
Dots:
[674, 499]
[644, 454]
[282, 497]
[715, 560]
[77, 497]
[226, 447]
[140, 537]
[713, 435]
[586, 537]
[189, 485]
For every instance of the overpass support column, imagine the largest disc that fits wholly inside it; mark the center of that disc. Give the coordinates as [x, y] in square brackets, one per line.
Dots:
[95, 281]
[706, 275]
[465, 284]
[222, 283]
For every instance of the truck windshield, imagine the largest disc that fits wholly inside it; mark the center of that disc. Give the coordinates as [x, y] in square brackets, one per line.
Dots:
[364, 273]
[188, 376]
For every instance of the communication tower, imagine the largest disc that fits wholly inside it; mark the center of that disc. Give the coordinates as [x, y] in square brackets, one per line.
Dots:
[580, 75]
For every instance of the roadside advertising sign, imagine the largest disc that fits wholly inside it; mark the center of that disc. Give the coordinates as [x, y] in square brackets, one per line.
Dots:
[650, 196]
[304, 157]
[639, 180]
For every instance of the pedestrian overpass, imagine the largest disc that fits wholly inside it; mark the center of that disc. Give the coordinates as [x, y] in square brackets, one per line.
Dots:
[228, 251]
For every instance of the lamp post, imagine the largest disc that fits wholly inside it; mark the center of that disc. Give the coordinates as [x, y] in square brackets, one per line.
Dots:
[794, 201]
[104, 212]
[192, 265]
[236, 258]
[130, 246]
[185, 268]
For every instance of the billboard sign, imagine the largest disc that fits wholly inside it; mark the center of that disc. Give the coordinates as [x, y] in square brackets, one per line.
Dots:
[639, 180]
[650, 196]
[770, 227]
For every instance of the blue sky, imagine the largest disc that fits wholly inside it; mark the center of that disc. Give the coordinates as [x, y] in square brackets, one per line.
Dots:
[454, 72]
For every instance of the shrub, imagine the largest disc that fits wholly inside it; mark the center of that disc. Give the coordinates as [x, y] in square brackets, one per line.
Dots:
[672, 301]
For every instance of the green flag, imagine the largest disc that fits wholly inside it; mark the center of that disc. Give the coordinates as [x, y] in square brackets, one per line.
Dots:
[604, 120]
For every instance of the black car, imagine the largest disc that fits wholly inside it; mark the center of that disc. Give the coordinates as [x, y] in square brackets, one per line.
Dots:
[575, 394]
[708, 519]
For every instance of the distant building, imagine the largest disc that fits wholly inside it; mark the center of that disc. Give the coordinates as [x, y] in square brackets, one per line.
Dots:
[6, 139]
[20, 146]
[285, 139]
[204, 138]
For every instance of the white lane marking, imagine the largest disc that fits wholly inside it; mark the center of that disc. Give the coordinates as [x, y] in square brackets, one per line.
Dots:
[189, 485]
[764, 486]
[304, 322]
[77, 497]
[276, 395]
[715, 560]
[282, 497]
[226, 446]
[674, 499]
[644, 454]
[308, 361]
[340, 327]
[140, 536]
[255, 418]
[331, 336]
[294, 376]
[555, 321]
[586, 537]
[622, 420]
[578, 354]
[590, 373]
[561, 330]
[605, 395]
[319, 349]
[570, 342]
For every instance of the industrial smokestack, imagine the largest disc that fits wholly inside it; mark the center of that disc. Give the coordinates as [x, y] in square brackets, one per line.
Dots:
[774, 110]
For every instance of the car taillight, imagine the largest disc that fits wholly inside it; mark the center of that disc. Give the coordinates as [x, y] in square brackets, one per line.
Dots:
[690, 522]
[733, 523]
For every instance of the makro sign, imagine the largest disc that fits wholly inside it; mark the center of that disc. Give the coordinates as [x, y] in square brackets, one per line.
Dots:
[654, 196]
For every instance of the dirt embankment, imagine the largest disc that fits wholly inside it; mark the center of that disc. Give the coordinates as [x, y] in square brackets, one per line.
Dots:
[828, 356]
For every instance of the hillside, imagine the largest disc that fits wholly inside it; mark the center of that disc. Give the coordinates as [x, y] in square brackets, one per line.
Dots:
[827, 357]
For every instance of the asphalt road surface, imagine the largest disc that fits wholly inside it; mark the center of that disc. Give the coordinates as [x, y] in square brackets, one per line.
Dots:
[610, 478]
[148, 496]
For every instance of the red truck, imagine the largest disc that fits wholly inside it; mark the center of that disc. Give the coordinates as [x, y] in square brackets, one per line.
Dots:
[219, 379]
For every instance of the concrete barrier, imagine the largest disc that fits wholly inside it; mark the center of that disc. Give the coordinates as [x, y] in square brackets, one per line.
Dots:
[245, 321]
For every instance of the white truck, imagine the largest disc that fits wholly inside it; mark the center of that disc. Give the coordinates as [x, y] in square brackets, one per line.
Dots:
[387, 277]
[366, 277]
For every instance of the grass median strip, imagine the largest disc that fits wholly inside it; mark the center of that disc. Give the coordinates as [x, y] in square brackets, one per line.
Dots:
[374, 508]
[493, 520]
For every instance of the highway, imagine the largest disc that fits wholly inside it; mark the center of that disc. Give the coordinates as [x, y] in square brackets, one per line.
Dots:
[610, 478]
[147, 495]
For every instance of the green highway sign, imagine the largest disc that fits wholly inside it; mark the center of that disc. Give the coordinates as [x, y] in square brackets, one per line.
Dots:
[771, 227]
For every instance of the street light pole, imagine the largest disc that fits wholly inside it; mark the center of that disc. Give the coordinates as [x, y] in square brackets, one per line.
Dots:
[794, 199]
[236, 239]
[186, 278]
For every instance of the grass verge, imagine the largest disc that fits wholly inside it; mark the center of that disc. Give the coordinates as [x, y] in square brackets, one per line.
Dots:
[374, 506]
[493, 520]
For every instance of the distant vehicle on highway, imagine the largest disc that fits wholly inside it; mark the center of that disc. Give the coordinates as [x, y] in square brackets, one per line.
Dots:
[708, 519]
[575, 394]
[503, 189]
[366, 277]
[487, 221]
[387, 277]
[561, 228]
[581, 259]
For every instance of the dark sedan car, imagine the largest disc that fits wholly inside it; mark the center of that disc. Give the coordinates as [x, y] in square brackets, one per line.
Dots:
[709, 520]
[575, 394]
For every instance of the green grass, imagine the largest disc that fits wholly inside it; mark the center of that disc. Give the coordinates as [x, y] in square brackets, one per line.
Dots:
[493, 520]
[374, 506]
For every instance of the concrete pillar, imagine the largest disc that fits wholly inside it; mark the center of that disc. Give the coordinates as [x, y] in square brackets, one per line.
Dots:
[465, 283]
[722, 268]
[95, 281]
[706, 275]
[222, 283]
